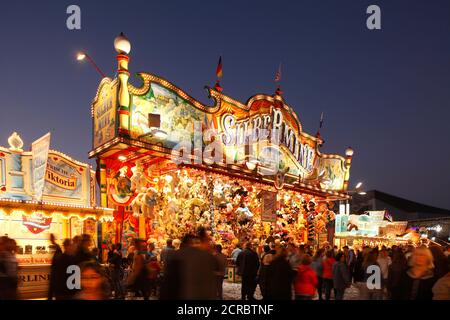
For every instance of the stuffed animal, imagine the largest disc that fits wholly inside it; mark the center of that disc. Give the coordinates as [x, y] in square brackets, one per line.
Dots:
[149, 202]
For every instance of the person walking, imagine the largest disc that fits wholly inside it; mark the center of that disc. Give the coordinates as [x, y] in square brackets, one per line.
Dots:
[57, 253]
[418, 281]
[221, 270]
[236, 251]
[117, 272]
[341, 276]
[266, 259]
[8, 269]
[66, 259]
[280, 276]
[441, 289]
[316, 265]
[166, 251]
[138, 280]
[306, 280]
[396, 270]
[327, 273]
[93, 282]
[440, 261]
[384, 261]
[83, 254]
[248, 264]
[370, 264]
[190, 273]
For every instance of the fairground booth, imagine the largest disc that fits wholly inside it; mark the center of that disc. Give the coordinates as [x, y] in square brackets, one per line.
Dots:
[169, 164]
[44, 191]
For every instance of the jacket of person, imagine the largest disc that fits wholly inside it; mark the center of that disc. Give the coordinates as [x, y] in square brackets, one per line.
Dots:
[341, 275]
[222, 263]
[306, 281]
[441, 289]
[247, 263]
[358, 270]
[279, 279]
[317, 266]
[61, 290]
[190, 274]
[417, 288]
[327, 266]
[394, 281]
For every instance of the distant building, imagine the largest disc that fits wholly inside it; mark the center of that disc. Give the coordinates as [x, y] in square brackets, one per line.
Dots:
[435, 220]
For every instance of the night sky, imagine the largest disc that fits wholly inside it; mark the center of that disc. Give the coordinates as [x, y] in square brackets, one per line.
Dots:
[385, 93]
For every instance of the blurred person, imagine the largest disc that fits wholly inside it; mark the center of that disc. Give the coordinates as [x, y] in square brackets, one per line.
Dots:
[266, 259]
[358, 273]
[117, 272]
[56, 255]
[295, 255]
[441, 289]
[316, 265]
[176, 244]
[95, 255]
[408, 254]
[130, 255]
[247, 267]
[190, 273]
[62, 263]
[335, 250]
[306, 280]
[204, 238]
[221, 269]
[151, 247]
[370, 259]
[440, 261]
[280, 276]
[327, 273]
[154, 269]
[236, 251]
[8, 269]
[83, 253]
[349, 259]
[138, 280]
[418, 281]
[93, 282]
[341, 276]
[166, 251]
[384, 261]
[397, 268]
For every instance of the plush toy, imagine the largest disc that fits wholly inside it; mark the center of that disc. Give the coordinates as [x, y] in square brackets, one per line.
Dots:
[149, 202]
[137, 202]
[243, 215]
[138, 179]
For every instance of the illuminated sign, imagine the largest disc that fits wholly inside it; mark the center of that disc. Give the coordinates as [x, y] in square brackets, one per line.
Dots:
[267, 127]
[36, 223]
[104, 113]
[69, 183]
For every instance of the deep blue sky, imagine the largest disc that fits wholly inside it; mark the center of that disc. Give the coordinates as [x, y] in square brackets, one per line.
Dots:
[385, 93]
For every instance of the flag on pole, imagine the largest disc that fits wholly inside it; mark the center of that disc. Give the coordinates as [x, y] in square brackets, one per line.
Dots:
[321, 120]
[219, 68]
[278, 74]
[387, 215]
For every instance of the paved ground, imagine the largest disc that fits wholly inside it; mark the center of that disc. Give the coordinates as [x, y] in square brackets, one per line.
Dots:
[232, 291]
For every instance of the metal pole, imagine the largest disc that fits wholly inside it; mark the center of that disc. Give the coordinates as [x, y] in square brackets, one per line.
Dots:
[95, 65]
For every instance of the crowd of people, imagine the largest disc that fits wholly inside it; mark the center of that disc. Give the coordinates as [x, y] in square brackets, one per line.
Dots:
[194, 268]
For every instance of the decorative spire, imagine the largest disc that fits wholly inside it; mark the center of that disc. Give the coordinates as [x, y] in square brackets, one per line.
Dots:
[15, 142]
